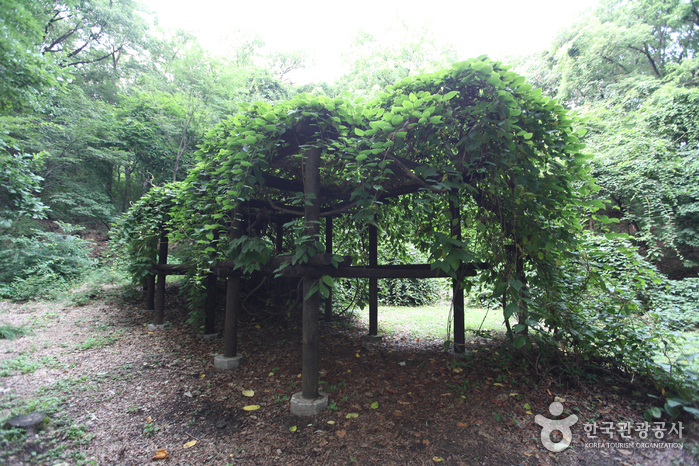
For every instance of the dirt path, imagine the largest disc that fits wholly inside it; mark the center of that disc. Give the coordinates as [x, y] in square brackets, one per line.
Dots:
[116, 393]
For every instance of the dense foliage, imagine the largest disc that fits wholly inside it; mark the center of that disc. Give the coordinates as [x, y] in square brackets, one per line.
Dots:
[102, 120]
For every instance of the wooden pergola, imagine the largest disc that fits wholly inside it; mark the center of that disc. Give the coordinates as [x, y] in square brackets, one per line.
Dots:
[475, 133]
[318, 266]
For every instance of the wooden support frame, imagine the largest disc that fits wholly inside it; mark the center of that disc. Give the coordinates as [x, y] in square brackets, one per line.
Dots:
[159, 301]
[457, 288]
[210, 304]
[373, 282]
[230, 332]
[311, 302]
[329, 251]
[150, 291]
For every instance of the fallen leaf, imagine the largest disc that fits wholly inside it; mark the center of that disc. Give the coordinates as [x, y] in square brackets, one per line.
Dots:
[271, 374]
[437, 459]
[514, 394]
[257, 326]
[202, 376]
[189, 444]
[527, 453]
[248, 393]
[624, 452]
[457, 370]
[397, 412]
[161, 454]
[331, 422]
[401, 363]
[375, 405]
[352, 415]
[426, 442]
[341, 433]
[497, 384]
[251, 407]
[149, 420]
[358, 355]
[292, 429]
[530, 413]
[462, 424]
[188, 394]
[558, 399]
[527, 407]
[403, 402]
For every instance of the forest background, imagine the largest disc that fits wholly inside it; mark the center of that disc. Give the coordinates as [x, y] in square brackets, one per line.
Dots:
[98, 106]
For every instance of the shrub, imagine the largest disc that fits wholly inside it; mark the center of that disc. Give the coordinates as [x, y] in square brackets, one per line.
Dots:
[41, 266]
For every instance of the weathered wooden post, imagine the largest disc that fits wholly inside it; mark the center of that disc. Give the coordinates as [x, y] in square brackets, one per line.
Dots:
[310, 401]
[457, 289]
[373, 283]
[160, 286]
[229, 359]
[210, 303]
[150, 283]
[150, 291]
[329, 250]
[279, 246]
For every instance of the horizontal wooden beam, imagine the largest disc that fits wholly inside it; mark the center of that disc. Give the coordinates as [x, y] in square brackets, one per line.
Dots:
[320, 266]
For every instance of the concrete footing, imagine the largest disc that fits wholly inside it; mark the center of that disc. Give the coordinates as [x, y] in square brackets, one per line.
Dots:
[374, 338]
[223, 363]
[454, 354]
[300, 406]
[208, 336]
[156, 327]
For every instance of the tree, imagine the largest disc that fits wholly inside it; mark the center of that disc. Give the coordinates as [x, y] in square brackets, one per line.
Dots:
[374, 63]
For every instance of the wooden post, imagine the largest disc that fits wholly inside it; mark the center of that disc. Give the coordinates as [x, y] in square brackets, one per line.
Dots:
[279, 243]
[230, 337]
[150, 284]
[210, 304]
[373, 282]
[457, 289]
[311, 305]
[160, 288]
[329, 250]
[150, 291]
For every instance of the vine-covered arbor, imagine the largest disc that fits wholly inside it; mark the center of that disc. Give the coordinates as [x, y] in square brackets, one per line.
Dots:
[471, 164]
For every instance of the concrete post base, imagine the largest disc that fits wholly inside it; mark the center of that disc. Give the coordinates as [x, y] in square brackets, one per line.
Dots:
[373, 338]
[208, 336]
[300, 406]
[223, 363]
[152, 327]
[454, 354]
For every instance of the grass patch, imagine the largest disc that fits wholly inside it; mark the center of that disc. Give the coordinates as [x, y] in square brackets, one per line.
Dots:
[96, 342]
[58, 438]
[23, 365]
[11, 332]
[430, 322]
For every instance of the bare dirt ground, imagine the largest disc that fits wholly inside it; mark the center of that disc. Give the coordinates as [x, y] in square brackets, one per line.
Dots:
[117, 393]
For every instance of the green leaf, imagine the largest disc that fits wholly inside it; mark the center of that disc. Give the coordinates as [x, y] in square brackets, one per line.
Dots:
[352, 415]
[510, 309]
[397, 120]
[375, 405]
[520, 341]
[516, 284]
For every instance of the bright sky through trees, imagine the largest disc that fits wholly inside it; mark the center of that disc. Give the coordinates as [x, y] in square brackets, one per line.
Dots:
[324, 29]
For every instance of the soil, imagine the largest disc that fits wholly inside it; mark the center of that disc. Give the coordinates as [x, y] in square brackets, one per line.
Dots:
[132, 391]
